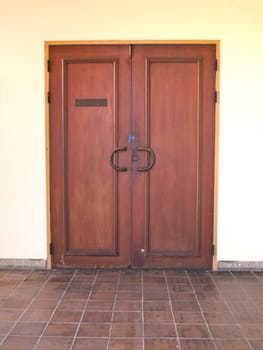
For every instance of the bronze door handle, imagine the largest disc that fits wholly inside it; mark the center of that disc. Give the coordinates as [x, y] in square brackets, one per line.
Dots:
[152, 158]
[114, 166]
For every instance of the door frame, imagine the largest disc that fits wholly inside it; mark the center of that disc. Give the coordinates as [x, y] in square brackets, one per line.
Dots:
[47, 44]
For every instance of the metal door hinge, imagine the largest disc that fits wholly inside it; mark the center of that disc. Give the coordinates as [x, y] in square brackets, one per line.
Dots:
[130, 51]
[216, 65]
[48, 65]
[48, 97]
[51, 248]
[215, 97]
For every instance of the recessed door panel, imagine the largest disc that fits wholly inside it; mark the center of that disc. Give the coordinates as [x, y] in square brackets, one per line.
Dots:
[173, 227]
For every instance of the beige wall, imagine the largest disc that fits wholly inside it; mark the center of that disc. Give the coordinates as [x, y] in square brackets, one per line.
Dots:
[25, 25]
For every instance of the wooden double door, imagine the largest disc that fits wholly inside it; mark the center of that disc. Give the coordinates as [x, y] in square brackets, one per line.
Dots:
[132, 155]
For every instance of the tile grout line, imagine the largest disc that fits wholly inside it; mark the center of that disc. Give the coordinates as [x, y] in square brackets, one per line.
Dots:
[229, 308]
[25, 309]
[201, 310]
[171, 307]
[84, 310]
[113, 310]
[54, 310]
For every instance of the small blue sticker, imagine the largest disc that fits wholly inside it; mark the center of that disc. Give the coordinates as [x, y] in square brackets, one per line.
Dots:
[130, 138]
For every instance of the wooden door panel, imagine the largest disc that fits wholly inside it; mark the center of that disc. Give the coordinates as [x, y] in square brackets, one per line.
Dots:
[90, 187]
[91, 224]
[173, 89]
[173, 226]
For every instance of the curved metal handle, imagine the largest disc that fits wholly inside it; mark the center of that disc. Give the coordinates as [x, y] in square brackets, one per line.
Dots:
[114, 166]
[152, 158]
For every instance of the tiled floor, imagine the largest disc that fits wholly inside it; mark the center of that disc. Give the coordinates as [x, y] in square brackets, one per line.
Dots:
[130, 310]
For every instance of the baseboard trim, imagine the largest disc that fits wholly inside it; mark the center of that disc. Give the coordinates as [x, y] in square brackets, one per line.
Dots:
[23, 263]
[42, 264]
[240, 265]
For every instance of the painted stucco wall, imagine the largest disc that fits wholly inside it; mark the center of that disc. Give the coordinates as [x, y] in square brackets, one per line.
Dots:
[26, 24]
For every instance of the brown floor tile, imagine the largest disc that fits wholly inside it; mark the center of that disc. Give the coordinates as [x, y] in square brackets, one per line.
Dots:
[60, 279]
[201, 279]
[127, 317]
[185, 306]
[66, 316]
[43, 304]
[90, 344]
[76, 295]
[61, 329]
[209, 296]
[226, 331]
[192, 331]
[219, 317]
[28, 328]
[61, 343]
[16, 303]
[37, 315]
[253, 331]
[130, 273]
[188, 317]
[4, 293]
[249, 317]
[103, 287]
[205, 288]
[127, 344]
[50, 294]
[5, 326]
[19, 343]
[154, 279]
[25, 293]
[242, 306]
[216, 306]
[129, 296]
[153, 306]
[97, 317]
[231, 304]
[38, 276]
[159, 331]
[103, 296]
[72, 305]
[151, 287]
[125, 287]
[151, 296]
[83, 279]
[197, 344]
[57, 287]
[10, 315]
[79, 287]
[180, 288]
[126, 330]
[181, 296]
[158, 317]
[93, 330]
[160, 344]
[173, 280]
[234, 344]
[256, 344]
[128, 306]
[100, 306]
[87, 273]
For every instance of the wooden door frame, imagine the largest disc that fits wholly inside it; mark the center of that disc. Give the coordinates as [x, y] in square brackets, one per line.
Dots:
[47, 44]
